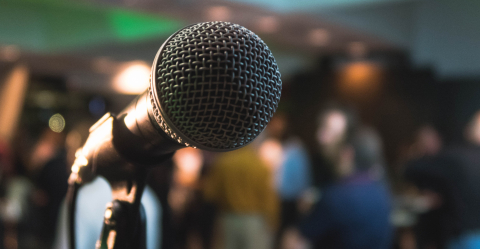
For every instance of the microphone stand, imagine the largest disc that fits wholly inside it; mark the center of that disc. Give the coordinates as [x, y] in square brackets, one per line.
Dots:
[124, 224]
[107, 152]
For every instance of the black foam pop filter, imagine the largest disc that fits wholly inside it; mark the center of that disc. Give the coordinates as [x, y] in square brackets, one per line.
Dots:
[215, 86]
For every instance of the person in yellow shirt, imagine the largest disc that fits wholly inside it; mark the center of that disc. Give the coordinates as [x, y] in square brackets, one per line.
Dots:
[239, 183]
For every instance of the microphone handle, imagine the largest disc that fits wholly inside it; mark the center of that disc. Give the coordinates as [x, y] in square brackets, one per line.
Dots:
[121, 149]
[118, 144]
[137, 135]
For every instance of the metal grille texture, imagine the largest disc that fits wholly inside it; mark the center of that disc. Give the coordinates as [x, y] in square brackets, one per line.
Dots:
[217, 86]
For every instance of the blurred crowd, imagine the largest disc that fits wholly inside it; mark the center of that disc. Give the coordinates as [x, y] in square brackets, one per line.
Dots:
[276, 193]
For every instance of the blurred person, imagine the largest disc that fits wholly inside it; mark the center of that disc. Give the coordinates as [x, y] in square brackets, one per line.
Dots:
[15, 190]
[453, 187]
[428, 142]
[434, 199]
[335, 124]
[293, 170]
[240, 184]
[14, 209]
[468, 156]
[47, 167]
[354, 211]
[160, 181]
[185, 200]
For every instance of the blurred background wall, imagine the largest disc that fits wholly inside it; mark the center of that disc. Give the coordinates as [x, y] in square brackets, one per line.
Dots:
[427, 48]
[400, 63]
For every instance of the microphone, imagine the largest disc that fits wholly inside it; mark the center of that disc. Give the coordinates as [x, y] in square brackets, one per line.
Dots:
[213, 86]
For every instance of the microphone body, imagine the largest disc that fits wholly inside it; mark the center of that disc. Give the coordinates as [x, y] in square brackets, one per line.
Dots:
[213, 86]
[117, 144]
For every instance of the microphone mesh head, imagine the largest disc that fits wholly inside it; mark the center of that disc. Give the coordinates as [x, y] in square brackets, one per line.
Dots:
[215, 86]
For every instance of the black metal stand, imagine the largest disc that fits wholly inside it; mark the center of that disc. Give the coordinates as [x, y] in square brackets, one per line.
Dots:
[124, 224]
[117, 232]
[122, 155]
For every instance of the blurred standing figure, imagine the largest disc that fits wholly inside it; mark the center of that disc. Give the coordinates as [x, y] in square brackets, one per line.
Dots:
[335, 125]
[48, 168]
[438, 221]
[15, 190]
[185, 202]
[468, 184]
[427, 143]
[240, 184]
[354, 210]
[292, 175]
[455, 174]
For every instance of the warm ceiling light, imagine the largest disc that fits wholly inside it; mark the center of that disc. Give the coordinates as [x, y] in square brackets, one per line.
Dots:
[360, 73]
[361, 78]
[268, 24]
[133, 79]
[319, 37]
[218, 13]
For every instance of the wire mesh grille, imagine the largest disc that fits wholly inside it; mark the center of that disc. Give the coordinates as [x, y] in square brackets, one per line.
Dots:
[218, 84]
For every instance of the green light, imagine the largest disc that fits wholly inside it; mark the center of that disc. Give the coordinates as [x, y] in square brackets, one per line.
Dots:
[133, 25]
[57, 26]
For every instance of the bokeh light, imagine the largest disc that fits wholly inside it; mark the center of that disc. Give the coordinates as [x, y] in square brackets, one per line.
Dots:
[218, 13]
[360, 79]
[134, 79]
[268, 24]
[57, 123]
[319, 37]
